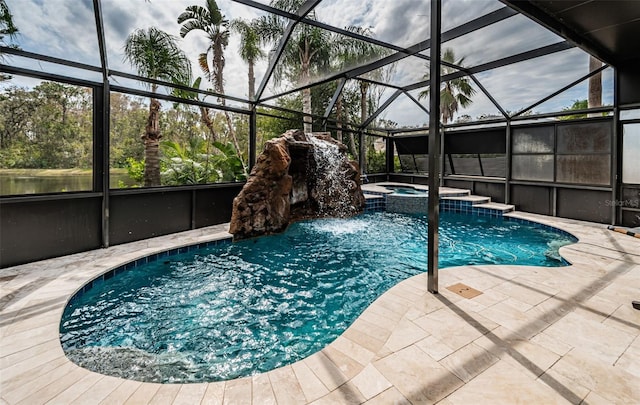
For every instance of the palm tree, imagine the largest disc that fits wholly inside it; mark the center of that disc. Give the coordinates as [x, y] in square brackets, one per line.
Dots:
[352, 52]
[595, 85]
[455, 93]
[155, 55]
[213, 23]
[210, 20]
[7, 28]
[309, 51]
[250, 50]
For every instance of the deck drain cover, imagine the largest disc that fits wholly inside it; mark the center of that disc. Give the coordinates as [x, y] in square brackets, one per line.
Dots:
[464, 290]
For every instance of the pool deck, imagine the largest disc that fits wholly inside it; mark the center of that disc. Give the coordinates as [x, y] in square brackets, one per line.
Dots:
[533, 336]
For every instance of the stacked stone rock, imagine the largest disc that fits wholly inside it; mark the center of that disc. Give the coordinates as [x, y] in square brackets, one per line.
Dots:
[287, 185]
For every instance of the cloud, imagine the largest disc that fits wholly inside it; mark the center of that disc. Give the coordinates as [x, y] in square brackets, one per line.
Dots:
[508, 37]
[57, 28]
[66, 29]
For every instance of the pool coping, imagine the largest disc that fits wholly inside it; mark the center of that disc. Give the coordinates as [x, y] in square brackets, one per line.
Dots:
[365, 362]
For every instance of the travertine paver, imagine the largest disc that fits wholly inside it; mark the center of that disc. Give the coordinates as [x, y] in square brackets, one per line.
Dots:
[534, 335]
[262, 392]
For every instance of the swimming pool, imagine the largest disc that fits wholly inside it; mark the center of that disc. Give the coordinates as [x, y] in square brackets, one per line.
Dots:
[234, 310]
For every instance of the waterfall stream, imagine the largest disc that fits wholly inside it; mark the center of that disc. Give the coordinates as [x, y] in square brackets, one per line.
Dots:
[334, 197]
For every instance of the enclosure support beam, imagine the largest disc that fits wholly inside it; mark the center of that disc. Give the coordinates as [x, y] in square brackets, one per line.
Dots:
[101, 130]
[390, 153]
[304, 9]
[486, 93]
[434, 150]
[253, 139]
[616, 150]
[562, 90]
[375, 114]
[334, 100]
[415, 50]
[507, 174]
[362, 160]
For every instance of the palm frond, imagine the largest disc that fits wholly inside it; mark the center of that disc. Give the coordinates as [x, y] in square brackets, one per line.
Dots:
[204, 65]
[155, 54]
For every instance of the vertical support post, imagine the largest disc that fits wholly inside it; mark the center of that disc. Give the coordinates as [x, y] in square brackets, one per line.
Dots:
[106, 178]
[616, 177]
[616, 158]
[390, 154]
[362, 155]
[434, 149]
[507, 173]
[554, 189]
[253, 137]
[101, 130]
[441, 156]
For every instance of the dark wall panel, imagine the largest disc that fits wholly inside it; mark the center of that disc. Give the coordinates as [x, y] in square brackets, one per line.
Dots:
[145, 215]
[631, 218]
[534, 199]
[213, 206]
[630, 197]
[485, 189]
[629, 81]
[412, 145]
[408, 179]
[467, 185]
[375, 178]
[489, 141]
[585, 205]
[493, 190]
[37, 230]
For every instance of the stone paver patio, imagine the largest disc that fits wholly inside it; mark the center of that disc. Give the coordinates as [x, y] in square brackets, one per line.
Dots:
[534, 336]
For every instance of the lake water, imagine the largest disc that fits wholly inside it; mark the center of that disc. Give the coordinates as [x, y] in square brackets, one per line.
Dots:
[16, 184]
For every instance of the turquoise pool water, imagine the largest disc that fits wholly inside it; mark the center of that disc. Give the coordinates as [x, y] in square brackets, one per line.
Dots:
[238, 309]
[406, 190]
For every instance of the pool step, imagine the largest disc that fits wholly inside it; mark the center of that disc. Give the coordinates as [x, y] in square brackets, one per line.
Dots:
[475, 205]
[504, 208]
[473, 199]
[451, 199]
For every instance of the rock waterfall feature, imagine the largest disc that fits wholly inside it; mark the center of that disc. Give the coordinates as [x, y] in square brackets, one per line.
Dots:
[297, 176]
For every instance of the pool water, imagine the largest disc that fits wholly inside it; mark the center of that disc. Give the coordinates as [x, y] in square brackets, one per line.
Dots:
[238, 309]
[406, 190]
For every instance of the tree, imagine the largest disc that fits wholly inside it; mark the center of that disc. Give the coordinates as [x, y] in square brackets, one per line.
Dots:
[455, 93]
[577, 105]
[250, 50]
[47, 127]
[213, 23]
[127, 118]
[308, 52]
[352, 52]
[595, 85]
[155, 55]
[210, 20]
[8, 29]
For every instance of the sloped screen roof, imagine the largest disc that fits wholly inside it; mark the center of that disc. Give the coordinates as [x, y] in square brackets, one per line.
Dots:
[362, 62]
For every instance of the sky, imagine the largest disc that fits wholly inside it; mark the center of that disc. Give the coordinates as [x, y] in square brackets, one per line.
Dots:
[66, 29]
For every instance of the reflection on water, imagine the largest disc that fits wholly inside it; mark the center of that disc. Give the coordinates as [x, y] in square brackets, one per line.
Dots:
[14, 184]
